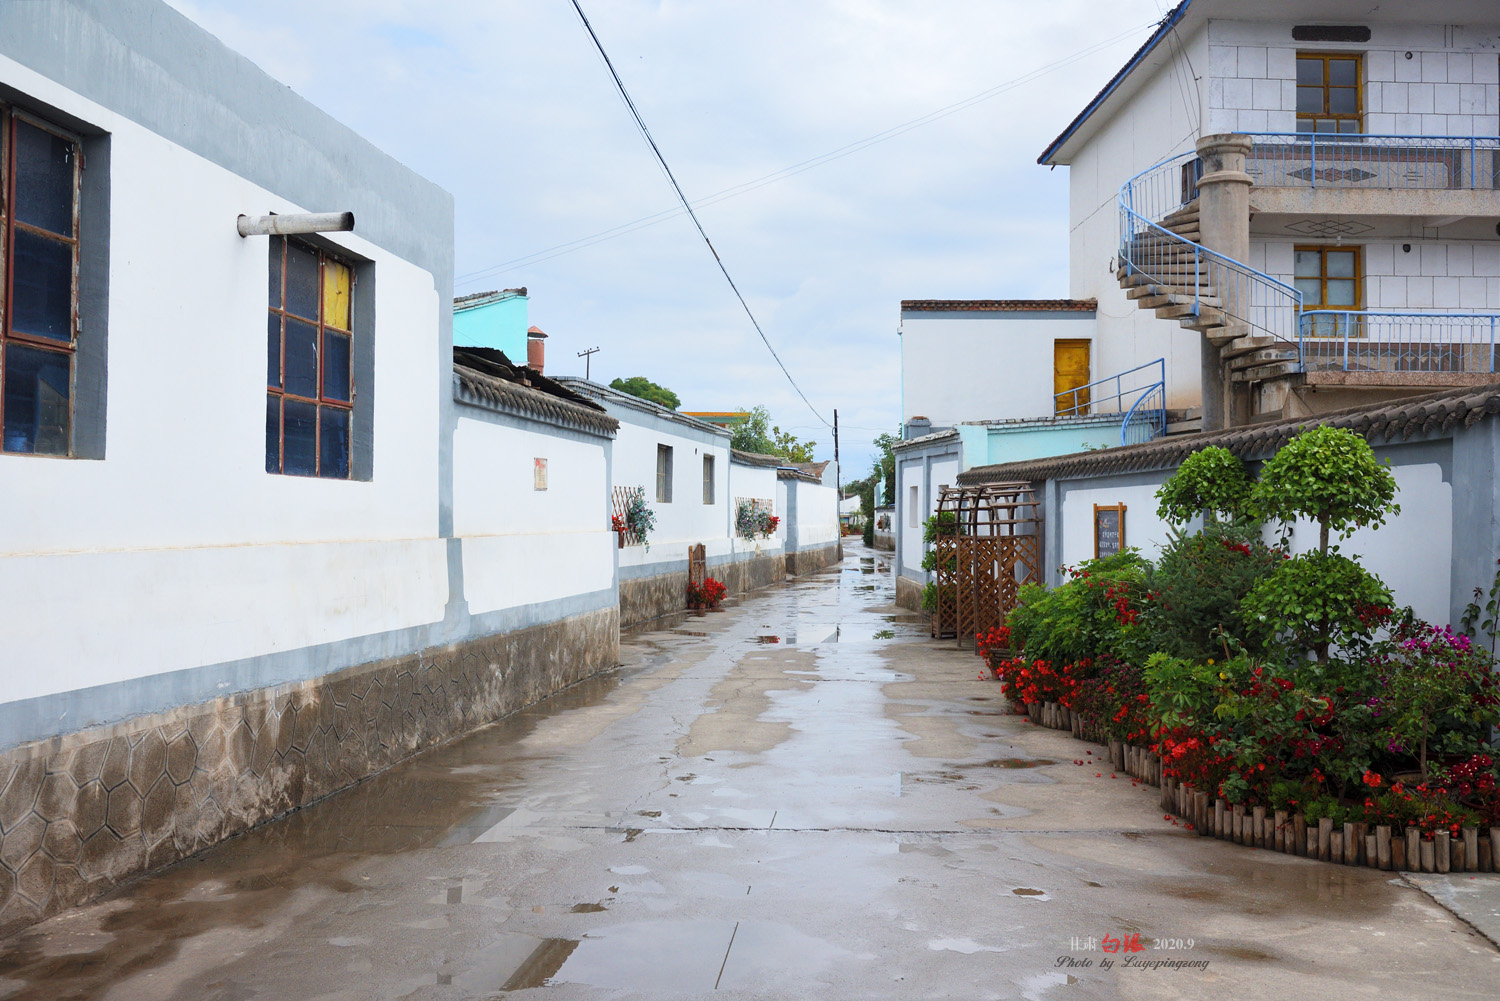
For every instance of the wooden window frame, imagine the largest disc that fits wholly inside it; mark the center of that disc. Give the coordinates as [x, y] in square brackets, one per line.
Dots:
[1322, 250]
[320, 401]
[9, 116]
[1358, 116]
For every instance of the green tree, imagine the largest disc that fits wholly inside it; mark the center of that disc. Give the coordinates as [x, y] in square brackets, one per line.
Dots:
[643, 388]
[758, 434]
[1212, 481]
[885, 463]
[1331, 476]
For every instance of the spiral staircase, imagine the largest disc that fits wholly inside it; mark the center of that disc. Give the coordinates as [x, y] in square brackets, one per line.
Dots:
[1248, 316]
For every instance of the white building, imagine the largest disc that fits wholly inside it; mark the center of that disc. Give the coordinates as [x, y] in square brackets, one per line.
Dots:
[682, 468]
[261, 538]
[1342, 162]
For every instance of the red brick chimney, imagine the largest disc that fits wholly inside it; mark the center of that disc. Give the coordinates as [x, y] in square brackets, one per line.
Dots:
[536, 349]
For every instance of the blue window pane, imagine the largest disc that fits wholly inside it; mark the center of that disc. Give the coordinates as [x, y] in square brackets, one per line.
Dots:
[302, 281]
[273, 351]
[300, 441]
[278, 253]
[38, 385]
[301, 371]
[273, 434]
[336, 366]
[44, 179]
[42, 301]
[334, 430]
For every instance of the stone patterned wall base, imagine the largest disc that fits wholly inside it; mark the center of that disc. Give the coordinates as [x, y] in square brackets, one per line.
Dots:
[811, 560]
[82, 812]
[645, 598]
[908, 594]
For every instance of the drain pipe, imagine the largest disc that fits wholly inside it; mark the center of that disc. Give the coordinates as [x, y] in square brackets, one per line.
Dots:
[294, 223]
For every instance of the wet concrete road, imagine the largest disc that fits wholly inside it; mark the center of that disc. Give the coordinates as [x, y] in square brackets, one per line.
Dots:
[800, 796]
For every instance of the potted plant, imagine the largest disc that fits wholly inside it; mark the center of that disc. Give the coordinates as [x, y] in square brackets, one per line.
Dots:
[706, 594]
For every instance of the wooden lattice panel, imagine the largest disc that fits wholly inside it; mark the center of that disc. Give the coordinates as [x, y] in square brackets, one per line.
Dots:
[622, 497]
[998, 549]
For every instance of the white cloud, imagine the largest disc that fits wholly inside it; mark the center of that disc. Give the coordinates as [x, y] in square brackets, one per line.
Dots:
[507, 106]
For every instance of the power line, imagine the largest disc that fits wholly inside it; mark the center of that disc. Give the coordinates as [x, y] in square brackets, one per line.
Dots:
[641, 123]
[746, 187]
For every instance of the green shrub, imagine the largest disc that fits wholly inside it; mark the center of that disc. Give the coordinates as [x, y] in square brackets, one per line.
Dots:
[1314, 601]
[1083, 617]
[1212, 481]
[1329, 475]
[1198, 585]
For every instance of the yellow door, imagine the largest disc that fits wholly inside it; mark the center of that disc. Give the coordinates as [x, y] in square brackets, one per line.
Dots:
[1070, 372]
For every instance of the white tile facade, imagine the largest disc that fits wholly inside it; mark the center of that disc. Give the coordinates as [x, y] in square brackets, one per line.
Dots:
[1449, 277]
[1252, 87]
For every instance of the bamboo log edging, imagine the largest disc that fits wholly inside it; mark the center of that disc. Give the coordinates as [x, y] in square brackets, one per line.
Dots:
[1352, 843]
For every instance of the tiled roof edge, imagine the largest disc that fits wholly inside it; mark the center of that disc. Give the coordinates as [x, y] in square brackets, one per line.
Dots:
[1405, 418]
[480, 390]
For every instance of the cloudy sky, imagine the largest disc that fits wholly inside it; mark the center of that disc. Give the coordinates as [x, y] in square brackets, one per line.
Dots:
[506, 104]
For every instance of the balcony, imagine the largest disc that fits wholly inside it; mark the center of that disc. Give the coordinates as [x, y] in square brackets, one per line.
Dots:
[1376, 349]
[1436, 181]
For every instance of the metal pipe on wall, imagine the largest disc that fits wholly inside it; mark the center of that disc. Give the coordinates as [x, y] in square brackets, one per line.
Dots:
[293, 223]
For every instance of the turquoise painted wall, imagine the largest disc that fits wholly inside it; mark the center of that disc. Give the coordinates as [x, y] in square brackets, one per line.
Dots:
[1043, 442]
[501, 324]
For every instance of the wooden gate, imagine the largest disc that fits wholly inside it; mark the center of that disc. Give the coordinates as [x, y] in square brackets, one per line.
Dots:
[697, 563]
[998, 547]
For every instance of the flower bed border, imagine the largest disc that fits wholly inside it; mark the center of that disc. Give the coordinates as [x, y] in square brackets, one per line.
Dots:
[1354, 844]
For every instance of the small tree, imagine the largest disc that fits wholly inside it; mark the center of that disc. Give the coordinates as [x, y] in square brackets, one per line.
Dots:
[758, 434]
[1212, 481]
[643, 388]
[1331, 476]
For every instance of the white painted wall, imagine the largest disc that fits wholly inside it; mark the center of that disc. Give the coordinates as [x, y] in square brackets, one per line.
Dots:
[950, 361]
[756, 483]
[1163, 118]
[909, 477]
[1449, 86]
[817, 514]
[1412, 552]
[178, 550]
[1143, 529]
[686, 520]
[522, 545]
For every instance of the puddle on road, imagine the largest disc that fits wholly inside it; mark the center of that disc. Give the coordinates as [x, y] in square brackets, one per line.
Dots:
[1014, 763]
[658, 956]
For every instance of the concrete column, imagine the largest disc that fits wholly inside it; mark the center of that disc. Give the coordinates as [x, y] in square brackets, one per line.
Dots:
[1224, 222]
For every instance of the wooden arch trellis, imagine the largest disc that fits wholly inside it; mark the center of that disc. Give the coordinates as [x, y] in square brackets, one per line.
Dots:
[990, 547]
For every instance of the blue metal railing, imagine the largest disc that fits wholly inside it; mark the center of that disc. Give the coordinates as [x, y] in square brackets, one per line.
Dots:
[1144, 404]
[1353, 341]
[1147, 418]
[1330, 160]
[1202, 278]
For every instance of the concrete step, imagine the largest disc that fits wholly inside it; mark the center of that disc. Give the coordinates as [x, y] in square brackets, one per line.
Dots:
[1176, 311]
[1185, 427]
[1266, 373]
[1189, 211]
[1245, 344]
[1188, 233]
[1207, 317]
[1183, 279]
[1227, 332]
[1262, 358]
[1173, 294]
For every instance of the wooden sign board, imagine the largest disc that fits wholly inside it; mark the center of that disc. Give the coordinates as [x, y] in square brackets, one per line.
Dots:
[1109, 529]
[539, 474]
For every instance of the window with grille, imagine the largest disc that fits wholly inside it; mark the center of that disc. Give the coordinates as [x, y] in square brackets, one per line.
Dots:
[708, 479]
[664, 474]
[1328, 97]
[309, 362]
[40, 168]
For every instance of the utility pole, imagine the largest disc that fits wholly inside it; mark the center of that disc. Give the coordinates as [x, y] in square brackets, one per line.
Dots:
[838, 481]
[587, 357]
